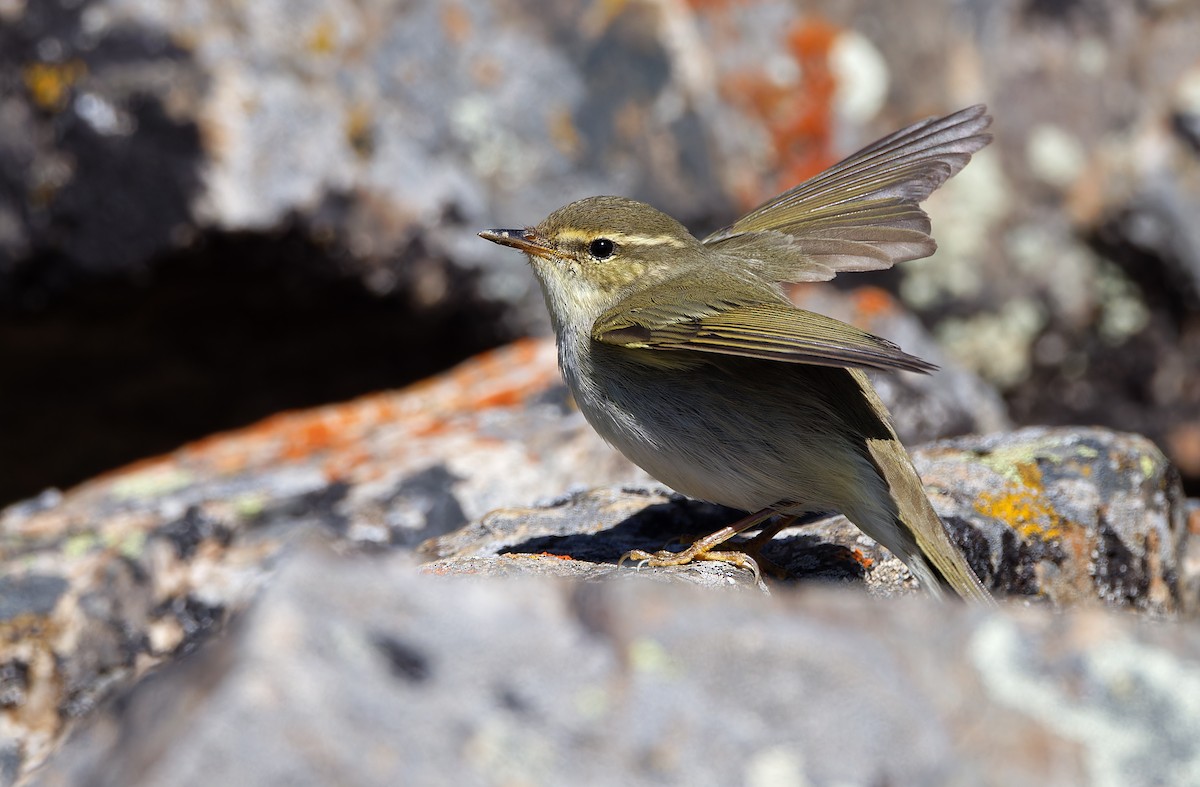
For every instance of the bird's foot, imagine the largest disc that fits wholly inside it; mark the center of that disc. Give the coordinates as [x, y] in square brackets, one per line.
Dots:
[692, 554]
[747, 555]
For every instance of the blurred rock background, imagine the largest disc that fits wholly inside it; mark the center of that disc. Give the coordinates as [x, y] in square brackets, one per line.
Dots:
[210, 212]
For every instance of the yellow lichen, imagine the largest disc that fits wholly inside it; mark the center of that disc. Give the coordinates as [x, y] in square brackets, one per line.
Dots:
[360, 130]
[1147, 465]
[249, 505]
[49, 84]
[1030, 474]
[130, 544]
[1022, 504]
[322, 39]
[1008, 461]
[648, 655]
[153, 481]
[79, 544]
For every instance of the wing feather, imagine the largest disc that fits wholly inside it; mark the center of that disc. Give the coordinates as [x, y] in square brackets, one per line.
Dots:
[675, 318]
[863, 212]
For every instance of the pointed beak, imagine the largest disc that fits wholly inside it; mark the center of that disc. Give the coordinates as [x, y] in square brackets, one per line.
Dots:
[526, 240]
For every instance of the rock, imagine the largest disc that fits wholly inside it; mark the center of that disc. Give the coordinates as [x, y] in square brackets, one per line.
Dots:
[104, 582]
[1069, 515]
[1063, 516]
[384, 674]
[32, 594]
[380, 131]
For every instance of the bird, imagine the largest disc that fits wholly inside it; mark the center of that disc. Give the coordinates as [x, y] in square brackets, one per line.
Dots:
[687, 356]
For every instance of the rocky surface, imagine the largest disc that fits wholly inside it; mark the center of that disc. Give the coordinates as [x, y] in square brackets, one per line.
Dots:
[1067, 517]
[362, 670]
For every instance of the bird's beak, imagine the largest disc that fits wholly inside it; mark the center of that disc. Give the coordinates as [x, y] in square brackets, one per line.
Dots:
[526, 240]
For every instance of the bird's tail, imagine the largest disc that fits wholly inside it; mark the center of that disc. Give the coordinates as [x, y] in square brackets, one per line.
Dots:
[923, 543]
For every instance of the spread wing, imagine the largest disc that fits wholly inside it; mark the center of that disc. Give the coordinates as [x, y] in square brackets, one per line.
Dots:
[862, 213]
[685, 318]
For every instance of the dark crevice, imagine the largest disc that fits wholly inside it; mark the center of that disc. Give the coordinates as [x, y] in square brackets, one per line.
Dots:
[231, 330]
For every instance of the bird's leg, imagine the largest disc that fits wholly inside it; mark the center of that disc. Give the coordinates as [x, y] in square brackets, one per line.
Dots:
[704, 548]
[753, 547]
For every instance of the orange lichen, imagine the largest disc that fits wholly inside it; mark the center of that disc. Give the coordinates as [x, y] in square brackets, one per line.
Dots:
[861, 558]
[339, 436]
[49, 84]
[703, 6]
[1023, 505]
[563, 132]
[457, 23]
[798, 116]
[431, 428]
[872, 302]
[344, 464]
[806, 140]
[307, 439]
[508, 397]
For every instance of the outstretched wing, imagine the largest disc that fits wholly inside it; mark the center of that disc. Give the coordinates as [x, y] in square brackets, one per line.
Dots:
[862, 213]
[685, 318]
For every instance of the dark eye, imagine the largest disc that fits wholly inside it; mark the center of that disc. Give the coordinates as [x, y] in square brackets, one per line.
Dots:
[602, 248]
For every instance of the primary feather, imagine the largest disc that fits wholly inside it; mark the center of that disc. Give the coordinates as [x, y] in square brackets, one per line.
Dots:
[862, 213]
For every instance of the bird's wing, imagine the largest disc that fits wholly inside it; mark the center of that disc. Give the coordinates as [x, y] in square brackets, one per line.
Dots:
[685, 317]
[862, 213]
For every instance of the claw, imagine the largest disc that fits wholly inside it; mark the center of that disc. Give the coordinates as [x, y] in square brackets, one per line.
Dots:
[641, 557]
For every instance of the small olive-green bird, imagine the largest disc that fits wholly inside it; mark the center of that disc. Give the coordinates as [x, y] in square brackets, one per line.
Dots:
[687, 356]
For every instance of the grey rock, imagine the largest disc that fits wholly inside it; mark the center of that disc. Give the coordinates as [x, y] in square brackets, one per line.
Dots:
[369, 124]
[1065, 516]
[1077, 513]
[33, 594]
[361, 670]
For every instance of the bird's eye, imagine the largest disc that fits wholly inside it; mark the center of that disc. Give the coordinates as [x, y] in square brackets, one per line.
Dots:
[602, 248]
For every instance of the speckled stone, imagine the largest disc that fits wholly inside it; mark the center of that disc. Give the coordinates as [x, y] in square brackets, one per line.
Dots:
[387, 674]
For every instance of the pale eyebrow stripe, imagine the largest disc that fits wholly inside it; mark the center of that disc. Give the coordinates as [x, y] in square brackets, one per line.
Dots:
[624, 237]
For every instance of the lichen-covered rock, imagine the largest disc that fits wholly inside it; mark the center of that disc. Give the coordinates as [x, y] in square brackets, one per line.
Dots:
[384, 675]
[1065, 516]
[99, 584]
[1068, 514]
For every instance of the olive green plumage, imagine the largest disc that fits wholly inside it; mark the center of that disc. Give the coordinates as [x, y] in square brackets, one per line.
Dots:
[687, 356]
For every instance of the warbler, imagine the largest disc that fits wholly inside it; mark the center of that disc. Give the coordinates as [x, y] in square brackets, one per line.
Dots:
[688, 357]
